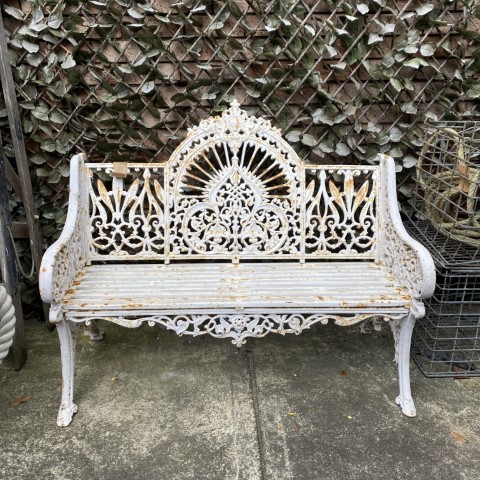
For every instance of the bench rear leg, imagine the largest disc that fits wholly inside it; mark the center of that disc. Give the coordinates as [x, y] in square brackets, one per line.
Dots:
[67, 333]
[93, 331]
[405, 399]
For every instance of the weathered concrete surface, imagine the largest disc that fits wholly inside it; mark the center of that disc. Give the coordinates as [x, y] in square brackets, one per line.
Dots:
[155, 406]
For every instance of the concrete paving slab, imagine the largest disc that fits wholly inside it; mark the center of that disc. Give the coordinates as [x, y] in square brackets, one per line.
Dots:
[151, 406]
[341, 388]
[156, 406]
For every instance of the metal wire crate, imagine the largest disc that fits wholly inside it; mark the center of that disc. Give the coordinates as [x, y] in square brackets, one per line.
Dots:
[446, 251]
[447, 344]
[445, 201]
[457, 291]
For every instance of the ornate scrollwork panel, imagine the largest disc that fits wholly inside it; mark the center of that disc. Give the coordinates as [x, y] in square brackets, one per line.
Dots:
[127, 215]
[234, 190]
[401, 259]
[341, 211]
[238, 327]
[69, 260]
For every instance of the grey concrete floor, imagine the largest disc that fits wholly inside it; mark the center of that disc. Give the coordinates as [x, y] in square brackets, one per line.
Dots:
[156, 406]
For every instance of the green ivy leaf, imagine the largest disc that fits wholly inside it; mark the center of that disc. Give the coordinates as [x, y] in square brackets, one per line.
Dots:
[374, 38]
[14, 12]
[321, 116]
[41, 112]
[148, 87]
[30, 47]
[415, 63]
[182, 97]
[37, 160]
[309, 140]
[409, 161]
[69, 62]
[34, 59]
[427, 49]
[42, 172]
[424, 9]
[56, 117]
[396, 84]
[342, 149]
[293, 136]
[235, 44]
[363, 8]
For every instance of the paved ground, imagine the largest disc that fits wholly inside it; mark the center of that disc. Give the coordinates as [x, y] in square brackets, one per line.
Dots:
[155, 406]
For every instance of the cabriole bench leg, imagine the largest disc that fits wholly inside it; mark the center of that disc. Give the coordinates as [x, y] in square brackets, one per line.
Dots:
[67, 332]
[405, 399]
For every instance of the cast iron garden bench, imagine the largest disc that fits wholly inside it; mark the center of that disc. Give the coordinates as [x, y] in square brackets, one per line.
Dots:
[235, 237]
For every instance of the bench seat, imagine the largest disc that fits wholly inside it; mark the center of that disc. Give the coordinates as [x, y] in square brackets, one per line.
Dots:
[286, 286]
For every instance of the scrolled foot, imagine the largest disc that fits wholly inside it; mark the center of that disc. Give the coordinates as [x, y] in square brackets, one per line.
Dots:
[407, 405]
[65, 414]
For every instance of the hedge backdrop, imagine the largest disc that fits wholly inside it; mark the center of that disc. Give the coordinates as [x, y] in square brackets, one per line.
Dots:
[123, 80]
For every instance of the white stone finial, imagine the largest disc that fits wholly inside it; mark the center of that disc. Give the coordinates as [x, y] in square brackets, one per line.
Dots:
[235, 103]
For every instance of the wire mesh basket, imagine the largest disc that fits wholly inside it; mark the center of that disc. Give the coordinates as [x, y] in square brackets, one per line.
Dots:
[446, 194]
[457, 292]
[447, 344]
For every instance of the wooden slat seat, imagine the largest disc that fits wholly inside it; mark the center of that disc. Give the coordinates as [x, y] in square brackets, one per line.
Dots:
[312, 287]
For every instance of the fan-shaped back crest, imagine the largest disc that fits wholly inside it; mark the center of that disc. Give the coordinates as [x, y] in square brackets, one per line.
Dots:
[234, 189]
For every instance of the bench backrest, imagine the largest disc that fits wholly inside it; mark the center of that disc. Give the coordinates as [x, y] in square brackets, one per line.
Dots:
[234, 189]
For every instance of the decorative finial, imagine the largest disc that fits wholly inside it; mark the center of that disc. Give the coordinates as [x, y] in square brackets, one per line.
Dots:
[235, 103]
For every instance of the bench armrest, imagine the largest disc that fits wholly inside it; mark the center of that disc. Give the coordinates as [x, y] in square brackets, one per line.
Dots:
[409, 262]
[65, 258]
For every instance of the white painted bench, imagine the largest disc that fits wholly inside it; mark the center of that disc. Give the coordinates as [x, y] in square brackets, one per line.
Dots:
[234, 237]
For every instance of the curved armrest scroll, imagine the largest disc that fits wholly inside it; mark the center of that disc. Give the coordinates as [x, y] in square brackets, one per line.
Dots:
[64, 258]
[408, 260]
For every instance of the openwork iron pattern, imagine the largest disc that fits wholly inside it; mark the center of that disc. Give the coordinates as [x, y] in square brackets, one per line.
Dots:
[238, 327]
[128, 215]
[233, 189]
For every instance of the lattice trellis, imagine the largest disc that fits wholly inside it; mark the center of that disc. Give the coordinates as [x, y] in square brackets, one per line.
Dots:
[122, 80]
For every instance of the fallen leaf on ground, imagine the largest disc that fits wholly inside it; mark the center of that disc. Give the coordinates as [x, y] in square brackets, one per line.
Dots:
[280, 426]
[349, 417]
[458, 370]
[291, 414]
[114, 378]
[343, 373]
[20, 400]
[459, 437]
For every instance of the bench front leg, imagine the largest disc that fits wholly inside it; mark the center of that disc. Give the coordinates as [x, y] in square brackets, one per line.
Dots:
[404, 339]
[67, 333]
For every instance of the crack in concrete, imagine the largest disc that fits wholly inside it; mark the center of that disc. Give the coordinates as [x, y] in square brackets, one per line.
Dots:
[256, 409]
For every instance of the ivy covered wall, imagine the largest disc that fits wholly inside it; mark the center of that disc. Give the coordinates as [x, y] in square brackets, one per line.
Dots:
[123, 80]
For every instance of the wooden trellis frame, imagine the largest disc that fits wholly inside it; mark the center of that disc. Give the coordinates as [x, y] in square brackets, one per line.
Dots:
[120, 81]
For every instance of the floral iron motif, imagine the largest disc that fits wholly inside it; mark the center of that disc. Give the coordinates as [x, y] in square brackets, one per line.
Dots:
[238, 327]
[127, 221]
[340, 218]
[235, 216]
[234, 189]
